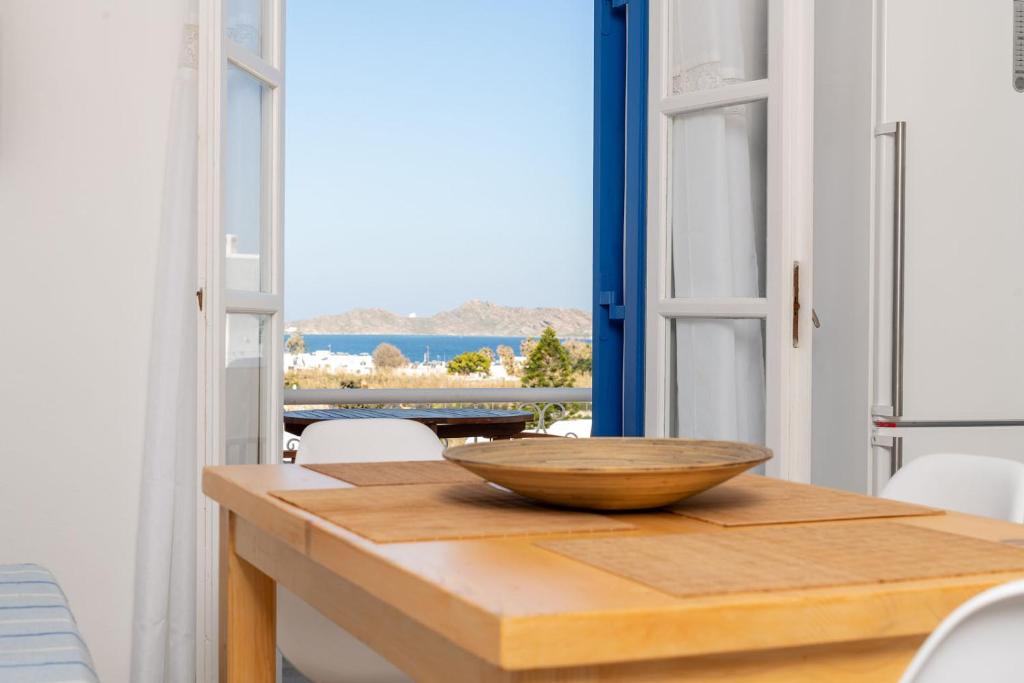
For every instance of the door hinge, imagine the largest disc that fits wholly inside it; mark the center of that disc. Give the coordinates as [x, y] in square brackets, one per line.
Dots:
[199, 298]
[615, 311]
[796, 304]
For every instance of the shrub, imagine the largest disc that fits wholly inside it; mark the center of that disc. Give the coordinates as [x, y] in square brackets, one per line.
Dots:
[295, 344]
[469, 362]
[387, 357]
[508, 360]
[526, 347]
[582, 355]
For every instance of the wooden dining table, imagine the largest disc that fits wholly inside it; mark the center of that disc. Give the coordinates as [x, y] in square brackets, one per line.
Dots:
[509, 608]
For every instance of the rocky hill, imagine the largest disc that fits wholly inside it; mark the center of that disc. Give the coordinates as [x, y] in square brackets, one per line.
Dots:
[471, 318]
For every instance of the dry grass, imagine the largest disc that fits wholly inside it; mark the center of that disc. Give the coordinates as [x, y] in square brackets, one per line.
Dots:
[321, 379]
[318, 379]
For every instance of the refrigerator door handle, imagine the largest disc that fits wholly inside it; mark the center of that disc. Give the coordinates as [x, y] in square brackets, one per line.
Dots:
[892, 422]
[898, 130]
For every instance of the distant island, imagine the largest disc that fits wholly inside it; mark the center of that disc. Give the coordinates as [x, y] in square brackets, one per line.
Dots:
[473, 318]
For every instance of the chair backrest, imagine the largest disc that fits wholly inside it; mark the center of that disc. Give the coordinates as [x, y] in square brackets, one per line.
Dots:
[979, 641]
[318, 648]
[368, 440]
[975, 484]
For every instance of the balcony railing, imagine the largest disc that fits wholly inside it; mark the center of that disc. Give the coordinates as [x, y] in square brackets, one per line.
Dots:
[548, 404]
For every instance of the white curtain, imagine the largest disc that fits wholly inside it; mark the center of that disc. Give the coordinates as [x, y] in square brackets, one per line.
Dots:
[718, 218]
[163, 643]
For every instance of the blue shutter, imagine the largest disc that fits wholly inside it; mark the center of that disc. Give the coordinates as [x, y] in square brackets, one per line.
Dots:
[620, 190]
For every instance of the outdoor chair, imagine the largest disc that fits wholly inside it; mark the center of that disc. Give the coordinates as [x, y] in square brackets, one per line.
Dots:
[321, 650]
[579, 429]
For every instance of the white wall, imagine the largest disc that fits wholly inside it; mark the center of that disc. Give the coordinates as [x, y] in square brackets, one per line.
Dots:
[842, 246]
[84, 101]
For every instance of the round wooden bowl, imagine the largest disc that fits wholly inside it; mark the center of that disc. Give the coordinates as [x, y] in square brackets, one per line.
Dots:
[608, 473]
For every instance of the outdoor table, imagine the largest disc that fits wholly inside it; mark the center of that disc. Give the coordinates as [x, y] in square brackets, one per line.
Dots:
[447, 423]
[507, 609]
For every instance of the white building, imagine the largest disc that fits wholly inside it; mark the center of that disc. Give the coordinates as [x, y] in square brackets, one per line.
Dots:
[355, 364]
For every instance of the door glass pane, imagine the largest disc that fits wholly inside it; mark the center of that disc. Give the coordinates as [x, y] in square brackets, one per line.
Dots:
[245, 379]
[243, 182]
[715, 43]
[717, 380]
[244, 24]
[718, 202]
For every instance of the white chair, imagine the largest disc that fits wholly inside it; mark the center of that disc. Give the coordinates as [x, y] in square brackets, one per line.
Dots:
[975, 484]
[374, 439]
[322, 651]
[979, 641]
[576, 429]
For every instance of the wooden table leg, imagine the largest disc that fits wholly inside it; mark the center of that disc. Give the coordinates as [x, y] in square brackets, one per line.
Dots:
[248, 615]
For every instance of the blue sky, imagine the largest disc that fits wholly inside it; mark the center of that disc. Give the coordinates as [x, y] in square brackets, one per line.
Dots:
[438, 152]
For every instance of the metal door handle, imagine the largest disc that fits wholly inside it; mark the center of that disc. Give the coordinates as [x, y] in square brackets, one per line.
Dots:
[898, 130]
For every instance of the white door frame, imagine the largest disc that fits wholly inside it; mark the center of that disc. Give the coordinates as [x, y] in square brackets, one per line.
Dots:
[789, 91]
[216, 52]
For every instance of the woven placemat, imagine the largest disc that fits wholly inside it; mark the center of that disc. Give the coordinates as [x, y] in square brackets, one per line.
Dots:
[752, 499]
[790, 557]
[391, 473]
[424, 512]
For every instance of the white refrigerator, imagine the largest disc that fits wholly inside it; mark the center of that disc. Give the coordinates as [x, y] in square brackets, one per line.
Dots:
[922, 233]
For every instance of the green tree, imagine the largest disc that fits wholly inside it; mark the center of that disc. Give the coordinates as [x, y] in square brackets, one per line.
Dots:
[487, 351]
[549, 364]
[295, 344]
[387, 357]
[469, 362]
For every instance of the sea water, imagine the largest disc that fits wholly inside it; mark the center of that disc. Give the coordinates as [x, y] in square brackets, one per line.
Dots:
[415, 347]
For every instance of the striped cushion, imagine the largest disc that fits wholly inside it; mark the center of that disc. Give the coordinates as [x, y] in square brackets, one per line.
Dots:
[39, 640]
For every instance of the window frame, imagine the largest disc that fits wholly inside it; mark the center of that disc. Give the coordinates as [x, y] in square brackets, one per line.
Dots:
[216, 52]
[788, 91]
